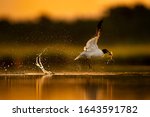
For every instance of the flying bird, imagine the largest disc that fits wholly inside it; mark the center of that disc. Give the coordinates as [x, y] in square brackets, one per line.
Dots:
[91, 49]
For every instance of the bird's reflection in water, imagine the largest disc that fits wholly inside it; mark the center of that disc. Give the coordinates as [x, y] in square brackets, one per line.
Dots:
[101, 89]
[73, 87]
[93, 87]
[91, 90]
[60, 87]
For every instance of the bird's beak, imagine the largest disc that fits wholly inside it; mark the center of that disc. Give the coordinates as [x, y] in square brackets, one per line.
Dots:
[110, 58]
[111, 55]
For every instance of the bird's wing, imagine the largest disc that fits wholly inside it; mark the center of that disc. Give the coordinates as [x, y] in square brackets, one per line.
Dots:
[99, 25]
[92, 43]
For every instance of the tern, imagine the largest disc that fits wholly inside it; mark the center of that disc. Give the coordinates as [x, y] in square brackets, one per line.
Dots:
[91, 49]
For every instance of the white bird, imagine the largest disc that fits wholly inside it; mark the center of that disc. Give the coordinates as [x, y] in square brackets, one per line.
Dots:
[91, 49]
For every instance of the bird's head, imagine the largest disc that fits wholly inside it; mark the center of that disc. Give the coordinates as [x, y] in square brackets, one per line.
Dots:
[110, 55]
[105, 51]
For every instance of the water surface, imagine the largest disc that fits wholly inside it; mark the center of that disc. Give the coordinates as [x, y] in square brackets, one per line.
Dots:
[101, 86]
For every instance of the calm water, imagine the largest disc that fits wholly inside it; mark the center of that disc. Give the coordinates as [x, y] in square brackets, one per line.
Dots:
[75, 87]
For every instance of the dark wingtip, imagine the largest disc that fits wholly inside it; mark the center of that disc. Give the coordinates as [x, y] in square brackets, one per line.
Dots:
[99, 25]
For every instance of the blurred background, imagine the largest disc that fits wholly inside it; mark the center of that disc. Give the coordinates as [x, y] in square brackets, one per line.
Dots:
[27, 27]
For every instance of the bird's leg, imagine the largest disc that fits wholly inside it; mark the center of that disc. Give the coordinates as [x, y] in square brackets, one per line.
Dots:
[77, 64]
[89, 63]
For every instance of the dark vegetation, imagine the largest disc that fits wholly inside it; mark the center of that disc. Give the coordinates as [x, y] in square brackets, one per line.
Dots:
[122, 25]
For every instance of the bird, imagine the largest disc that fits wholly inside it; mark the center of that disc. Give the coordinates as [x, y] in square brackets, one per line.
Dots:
[91, 49]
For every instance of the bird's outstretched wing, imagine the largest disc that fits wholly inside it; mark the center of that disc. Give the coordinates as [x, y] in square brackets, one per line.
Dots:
[99, 25]
[92, 43]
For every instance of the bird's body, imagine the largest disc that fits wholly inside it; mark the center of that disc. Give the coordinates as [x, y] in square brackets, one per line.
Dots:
[91, 49]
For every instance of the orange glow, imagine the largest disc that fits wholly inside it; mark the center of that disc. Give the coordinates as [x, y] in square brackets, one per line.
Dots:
[60, 9]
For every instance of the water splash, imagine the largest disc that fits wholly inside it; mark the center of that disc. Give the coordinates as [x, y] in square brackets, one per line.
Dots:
[40, 65]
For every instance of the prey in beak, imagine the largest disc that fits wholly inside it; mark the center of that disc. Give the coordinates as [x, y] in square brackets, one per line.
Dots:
[109, 55]
[110, 58]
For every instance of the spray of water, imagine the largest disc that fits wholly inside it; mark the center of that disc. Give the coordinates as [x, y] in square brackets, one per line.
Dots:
[40, 65]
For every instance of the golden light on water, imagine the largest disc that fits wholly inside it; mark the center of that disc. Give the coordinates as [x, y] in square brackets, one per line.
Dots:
[60, 9]
[82, 87]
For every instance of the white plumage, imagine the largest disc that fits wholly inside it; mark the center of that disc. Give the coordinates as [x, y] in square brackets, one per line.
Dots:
[91, 49]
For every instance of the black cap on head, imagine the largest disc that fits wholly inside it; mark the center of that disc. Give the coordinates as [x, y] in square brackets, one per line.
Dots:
[105, 51]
